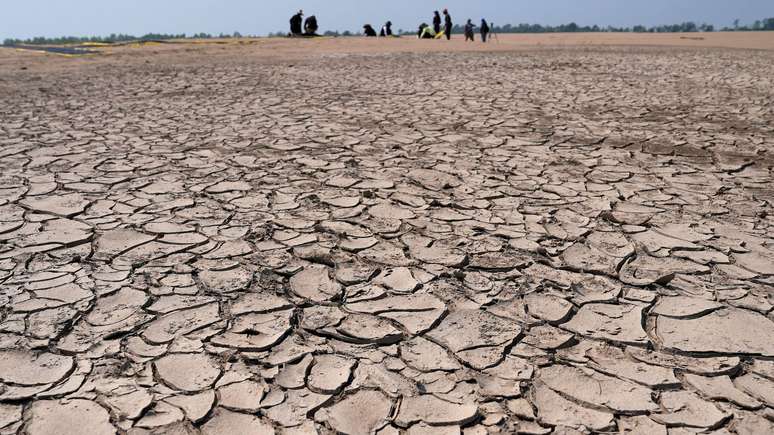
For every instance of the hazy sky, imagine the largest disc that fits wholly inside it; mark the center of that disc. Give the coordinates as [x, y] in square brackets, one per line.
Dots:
[27, 18]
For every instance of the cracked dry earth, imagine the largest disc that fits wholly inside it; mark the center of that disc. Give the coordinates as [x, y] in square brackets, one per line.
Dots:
[548, 241]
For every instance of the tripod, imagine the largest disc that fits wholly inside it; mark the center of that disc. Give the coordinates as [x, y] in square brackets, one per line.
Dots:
[492, 33]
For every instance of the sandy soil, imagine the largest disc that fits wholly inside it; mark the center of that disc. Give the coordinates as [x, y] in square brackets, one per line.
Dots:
[555, 234]
[287, 49]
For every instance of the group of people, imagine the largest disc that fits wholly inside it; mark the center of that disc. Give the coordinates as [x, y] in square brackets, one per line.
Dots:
[427, 32]
[368, 30]
[435, 32]
[310, 27]
[470, 30]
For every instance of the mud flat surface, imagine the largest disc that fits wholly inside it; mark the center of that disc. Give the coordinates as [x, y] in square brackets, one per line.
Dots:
[341, 236]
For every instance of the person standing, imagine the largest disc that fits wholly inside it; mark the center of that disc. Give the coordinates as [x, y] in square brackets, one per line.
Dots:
[484, 29]
[448, 24]
[470, 34]
[436, 22]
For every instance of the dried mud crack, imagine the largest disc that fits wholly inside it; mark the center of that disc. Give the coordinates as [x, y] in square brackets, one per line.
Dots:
[546, 241]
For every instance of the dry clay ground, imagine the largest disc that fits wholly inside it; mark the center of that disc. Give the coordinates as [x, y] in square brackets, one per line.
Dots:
[395, 238]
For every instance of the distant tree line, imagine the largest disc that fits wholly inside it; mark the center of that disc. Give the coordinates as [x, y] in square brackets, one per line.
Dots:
[688, 26]
[758, 25]
[113, 38]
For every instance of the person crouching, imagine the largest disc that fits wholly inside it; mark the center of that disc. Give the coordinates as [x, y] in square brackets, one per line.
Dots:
[369, 31]
[310, 26]
[425, 32]
[295, 24]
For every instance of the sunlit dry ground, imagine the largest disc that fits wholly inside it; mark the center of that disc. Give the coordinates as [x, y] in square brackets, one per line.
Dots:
[554, 234]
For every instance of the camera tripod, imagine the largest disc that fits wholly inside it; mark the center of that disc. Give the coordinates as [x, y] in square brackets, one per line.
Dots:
[492, 33]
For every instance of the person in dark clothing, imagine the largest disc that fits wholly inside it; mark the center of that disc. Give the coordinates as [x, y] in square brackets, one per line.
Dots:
[484, 29]
[369, 31]
[387, 29]
[470, 29]
[295, 23]
[448, 25]
[436, 22]
[310, 26]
